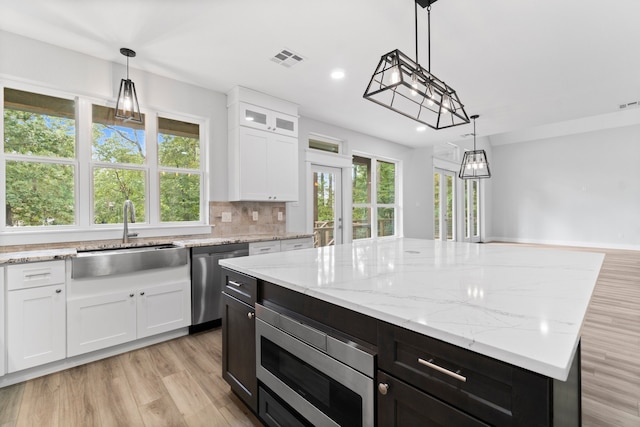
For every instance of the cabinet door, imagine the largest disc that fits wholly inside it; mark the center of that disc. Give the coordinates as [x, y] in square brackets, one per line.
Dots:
[239, 349]
[163, 308]
[2, 341]
[285, 124]
[282, 168]
[255, 117]
[253, 164]
[404, 406]
[100, 321]
[35, 326]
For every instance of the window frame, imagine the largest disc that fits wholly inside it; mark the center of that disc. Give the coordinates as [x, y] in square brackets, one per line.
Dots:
[373, 204]
[83, 164]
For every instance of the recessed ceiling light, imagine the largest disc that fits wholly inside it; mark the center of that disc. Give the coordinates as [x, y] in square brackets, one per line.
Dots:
[337, 74]
[421, 128]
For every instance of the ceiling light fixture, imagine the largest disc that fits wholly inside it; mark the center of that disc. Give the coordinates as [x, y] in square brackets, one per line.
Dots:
[404, 86]
[127, 107]
[337, 74]
[474, 163]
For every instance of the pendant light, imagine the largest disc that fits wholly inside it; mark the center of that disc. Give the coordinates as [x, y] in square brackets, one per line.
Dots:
[474, 163]
[127, 107]
[404, 86]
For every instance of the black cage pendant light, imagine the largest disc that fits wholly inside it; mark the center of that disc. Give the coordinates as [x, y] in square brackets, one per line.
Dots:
[404, 86]
[127, 106]
[474, 163]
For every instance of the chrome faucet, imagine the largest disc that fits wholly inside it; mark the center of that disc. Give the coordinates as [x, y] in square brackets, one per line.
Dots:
[128, 208]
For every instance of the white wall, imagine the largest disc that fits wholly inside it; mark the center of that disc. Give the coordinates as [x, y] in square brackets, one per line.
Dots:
[580, 189]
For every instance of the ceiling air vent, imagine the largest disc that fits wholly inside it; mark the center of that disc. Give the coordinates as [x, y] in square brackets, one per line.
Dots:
[287, 58]
[630, 104]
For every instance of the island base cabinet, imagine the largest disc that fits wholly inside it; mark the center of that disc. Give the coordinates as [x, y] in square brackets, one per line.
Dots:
[239, 349]
[401, 405]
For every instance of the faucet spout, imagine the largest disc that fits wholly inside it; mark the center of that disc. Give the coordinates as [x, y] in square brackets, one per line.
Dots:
[129, 213]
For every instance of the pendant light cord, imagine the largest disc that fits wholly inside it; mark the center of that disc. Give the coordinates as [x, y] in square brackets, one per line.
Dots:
[127, 68]
[474, 134]
[415, 3]
[429, 36]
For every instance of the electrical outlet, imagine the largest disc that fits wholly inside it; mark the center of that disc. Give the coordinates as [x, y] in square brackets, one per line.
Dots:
[226, 216]
[255, 215]
[280, 216]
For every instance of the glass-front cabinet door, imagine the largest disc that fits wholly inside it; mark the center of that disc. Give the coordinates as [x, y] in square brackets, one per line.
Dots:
[269, 120]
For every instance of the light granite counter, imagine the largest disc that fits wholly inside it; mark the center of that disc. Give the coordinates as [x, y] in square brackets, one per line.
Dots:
[66, 250]
[524, 306]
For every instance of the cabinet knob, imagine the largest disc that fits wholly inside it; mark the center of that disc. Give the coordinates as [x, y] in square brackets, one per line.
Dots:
[383, 388]
[250, 315]
[131, 295]
[58, 291]
[141, 293]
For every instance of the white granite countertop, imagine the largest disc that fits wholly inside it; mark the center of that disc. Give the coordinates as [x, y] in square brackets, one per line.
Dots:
[47, 254]
[521, 305]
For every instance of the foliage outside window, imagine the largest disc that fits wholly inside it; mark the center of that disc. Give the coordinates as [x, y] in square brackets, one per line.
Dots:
[179, 166]
[384, 206]
[39, 153]
[119, 163]
[45, 169]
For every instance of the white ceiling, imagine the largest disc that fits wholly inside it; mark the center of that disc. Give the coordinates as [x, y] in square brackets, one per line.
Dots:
[517, 63]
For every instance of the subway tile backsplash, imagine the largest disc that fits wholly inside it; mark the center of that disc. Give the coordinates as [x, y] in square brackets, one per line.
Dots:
[247, 218]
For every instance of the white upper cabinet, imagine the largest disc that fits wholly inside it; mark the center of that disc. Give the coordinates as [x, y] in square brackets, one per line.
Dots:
[263, 147]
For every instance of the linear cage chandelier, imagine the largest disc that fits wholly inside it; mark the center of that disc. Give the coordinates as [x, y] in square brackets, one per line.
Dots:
[474, 163]
[404, 86]
[127, 107]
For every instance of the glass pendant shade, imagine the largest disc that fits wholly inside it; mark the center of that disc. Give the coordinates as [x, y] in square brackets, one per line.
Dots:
[402, 85]
[474, 163]
[127, 107]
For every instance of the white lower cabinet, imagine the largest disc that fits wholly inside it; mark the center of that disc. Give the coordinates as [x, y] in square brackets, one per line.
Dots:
[101, 321]
[163, 308]
[35, 326]
[2, 341]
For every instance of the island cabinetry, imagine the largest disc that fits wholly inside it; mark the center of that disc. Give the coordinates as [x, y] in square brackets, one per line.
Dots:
[238, 336]
[427, 378]
[36, 300]
[263, 147]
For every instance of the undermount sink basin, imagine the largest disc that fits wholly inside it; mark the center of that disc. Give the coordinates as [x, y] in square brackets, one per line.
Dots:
[107, 262]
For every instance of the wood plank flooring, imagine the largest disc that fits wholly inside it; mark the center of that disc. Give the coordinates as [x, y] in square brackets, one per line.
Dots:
[179, 383]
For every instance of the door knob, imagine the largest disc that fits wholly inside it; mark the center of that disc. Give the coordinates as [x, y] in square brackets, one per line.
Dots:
[383, 388]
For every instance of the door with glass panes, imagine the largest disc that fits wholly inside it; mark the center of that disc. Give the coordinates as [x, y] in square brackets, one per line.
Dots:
[327, 205]
[444, 203]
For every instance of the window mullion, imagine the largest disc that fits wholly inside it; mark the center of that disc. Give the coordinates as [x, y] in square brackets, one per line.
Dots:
[153, 192]
[84, 177]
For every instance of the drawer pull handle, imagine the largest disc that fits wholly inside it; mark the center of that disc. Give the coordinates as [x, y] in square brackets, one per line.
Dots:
[58, 291]
[264, 249]
[383, 388]
[432, 365]
[36, 275]
[236, 284]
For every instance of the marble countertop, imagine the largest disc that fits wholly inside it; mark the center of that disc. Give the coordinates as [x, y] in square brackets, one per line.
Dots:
[45, 253]
[521, 305]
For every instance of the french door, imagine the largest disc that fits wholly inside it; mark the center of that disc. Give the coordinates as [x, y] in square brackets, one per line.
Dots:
[471, 210]
[444, 201]
[327, 205]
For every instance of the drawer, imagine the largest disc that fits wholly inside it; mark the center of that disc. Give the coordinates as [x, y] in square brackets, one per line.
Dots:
[296, 244]
[266, 247]
[34, 274]
[240, 286]
[404, 405]
[482, 386]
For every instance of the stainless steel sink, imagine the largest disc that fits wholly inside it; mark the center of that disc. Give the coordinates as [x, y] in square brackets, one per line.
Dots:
[109, 262]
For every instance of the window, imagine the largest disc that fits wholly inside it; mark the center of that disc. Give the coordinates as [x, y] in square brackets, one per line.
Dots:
[179, 168]
[52, 179]
[40, 159]
[325, 143]
[382, 182]
[118, 157]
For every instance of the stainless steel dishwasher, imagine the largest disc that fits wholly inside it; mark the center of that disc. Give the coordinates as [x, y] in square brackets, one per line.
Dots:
[206, 283]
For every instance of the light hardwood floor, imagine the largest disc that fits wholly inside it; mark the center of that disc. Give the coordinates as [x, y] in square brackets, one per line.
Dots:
[175, 383]
[178, 383]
